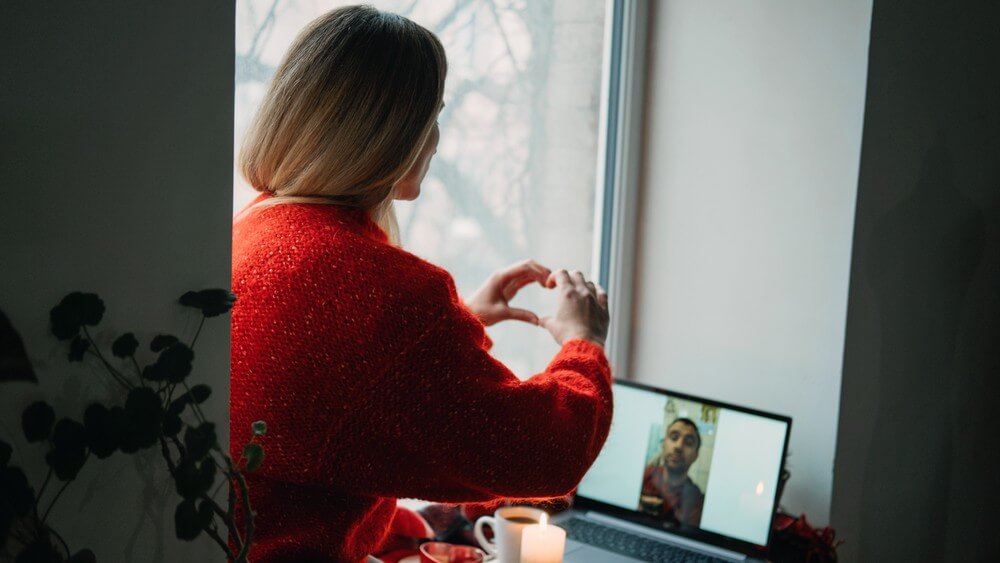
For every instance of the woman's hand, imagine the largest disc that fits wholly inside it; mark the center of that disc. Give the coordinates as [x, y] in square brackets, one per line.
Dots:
[491, 302]
[582, 311]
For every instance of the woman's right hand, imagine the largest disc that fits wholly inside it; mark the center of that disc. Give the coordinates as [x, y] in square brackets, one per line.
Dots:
[582, 311]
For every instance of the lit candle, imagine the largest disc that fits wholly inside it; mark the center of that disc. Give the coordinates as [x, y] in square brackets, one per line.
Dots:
[542, 543]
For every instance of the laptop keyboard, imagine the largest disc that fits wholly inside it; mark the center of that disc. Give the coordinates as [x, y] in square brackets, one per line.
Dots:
[632, 545]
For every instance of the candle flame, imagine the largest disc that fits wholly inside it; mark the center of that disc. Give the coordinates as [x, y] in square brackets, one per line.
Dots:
[760, 488]
[544, 520]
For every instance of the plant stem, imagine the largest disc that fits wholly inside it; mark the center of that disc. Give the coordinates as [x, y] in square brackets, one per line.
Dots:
[97, 352]
[248, 524]
[166, 457]
[170, 394]
[53, 503]
[198, 332]
[138, 372]
[231, 505]
[61, 540]
[214, 534]
[180, 447]
[114, 376]
[227, 519]
[41, 491]
[194, 406]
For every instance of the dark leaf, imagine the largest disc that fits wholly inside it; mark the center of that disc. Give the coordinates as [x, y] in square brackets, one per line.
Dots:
[89, 306]
[162, 341]
[125, 345]
[175, 362]
[64, 322]
[186, 520]
[205, 513]
[259, 428]
[101, 435]
[254, 455]
[122, 431]
[199, 393]
[143, 416]
[77, 348]
[193, 479]
[171, 424]
[14, 363]
[177, 405]
[75, 310]
[211, 302]
[37, 421]
[153, 372]
[83, 556]
[199, 441]
[16, 492]
[69, 449]
[41, 551]
[5, 451]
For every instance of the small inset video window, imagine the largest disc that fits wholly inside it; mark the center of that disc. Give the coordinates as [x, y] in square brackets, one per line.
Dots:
[678, 460]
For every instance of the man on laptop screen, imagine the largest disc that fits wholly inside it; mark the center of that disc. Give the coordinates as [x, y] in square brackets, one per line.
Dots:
[667, 491]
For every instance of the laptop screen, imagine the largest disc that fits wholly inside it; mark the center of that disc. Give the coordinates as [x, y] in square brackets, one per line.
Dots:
[690, 463]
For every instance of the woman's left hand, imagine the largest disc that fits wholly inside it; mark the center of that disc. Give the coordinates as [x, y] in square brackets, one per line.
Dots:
[491, 302]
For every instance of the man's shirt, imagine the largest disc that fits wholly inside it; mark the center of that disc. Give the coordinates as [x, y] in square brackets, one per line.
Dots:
[681, 504]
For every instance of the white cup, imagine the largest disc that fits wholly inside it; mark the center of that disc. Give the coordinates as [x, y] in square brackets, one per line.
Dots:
[507, 524]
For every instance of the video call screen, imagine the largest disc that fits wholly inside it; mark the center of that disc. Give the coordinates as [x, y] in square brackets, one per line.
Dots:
[690, 464]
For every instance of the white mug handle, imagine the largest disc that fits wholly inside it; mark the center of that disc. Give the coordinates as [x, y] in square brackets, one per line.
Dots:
[477, 531]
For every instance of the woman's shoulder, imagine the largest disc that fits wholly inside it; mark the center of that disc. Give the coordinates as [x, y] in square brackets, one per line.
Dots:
[336, 249]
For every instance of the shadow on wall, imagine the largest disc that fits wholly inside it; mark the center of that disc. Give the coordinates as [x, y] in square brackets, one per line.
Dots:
[142, 470]
[928, 450]
[14, 363]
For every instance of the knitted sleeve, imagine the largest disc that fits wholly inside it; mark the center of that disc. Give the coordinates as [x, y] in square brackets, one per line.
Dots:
[455, 425]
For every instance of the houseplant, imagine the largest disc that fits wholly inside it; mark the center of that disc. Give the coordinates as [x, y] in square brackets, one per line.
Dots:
[158, 408]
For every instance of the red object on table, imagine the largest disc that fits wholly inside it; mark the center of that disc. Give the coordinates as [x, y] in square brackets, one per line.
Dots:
[376, 383]
[795, 541]
[439, 552]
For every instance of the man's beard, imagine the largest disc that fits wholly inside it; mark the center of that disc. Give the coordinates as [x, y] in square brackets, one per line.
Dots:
[679, 471]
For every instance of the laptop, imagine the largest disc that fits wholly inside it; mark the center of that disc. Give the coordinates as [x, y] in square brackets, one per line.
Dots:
[680, 478]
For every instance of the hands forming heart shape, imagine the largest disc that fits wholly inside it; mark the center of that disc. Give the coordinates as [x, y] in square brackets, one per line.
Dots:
[582, 312]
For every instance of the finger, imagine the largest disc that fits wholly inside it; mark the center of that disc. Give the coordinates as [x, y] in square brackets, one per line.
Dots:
[578, 279]
[536, 267]
[558, 278]
[602, 296]
[515, 285]
[592, 288]
[530, 268]
[522, 315]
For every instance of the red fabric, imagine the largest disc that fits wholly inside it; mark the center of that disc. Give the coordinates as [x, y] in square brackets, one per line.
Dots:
[376, 383]
[406, 528]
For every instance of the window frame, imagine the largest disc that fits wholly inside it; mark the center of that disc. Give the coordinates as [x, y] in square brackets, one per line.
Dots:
[618, 169]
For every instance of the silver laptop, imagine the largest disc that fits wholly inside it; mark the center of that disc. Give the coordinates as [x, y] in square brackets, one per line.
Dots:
[680, 478]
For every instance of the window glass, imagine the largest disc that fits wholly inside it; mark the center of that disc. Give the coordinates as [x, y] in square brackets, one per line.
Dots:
[514, 176]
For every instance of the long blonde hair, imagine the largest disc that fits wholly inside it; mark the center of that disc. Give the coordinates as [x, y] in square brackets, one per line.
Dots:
[347, 112]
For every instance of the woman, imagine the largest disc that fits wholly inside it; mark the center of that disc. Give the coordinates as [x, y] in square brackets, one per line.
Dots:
[374, 377]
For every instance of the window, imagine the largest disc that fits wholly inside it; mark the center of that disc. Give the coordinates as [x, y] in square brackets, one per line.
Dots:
[521, 150]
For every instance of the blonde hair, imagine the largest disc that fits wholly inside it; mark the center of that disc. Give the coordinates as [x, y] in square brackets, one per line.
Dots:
[347, 112]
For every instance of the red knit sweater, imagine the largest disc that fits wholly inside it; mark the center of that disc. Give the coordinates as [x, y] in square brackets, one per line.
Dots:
[376, 383]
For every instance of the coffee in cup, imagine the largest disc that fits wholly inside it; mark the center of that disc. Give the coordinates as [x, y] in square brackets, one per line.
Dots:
[507, 524]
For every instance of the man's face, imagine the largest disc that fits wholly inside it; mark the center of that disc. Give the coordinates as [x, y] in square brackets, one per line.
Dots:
[680, 447]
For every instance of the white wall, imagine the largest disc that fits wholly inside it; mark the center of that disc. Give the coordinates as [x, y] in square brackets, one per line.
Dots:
[752, 146]
[117, 177]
